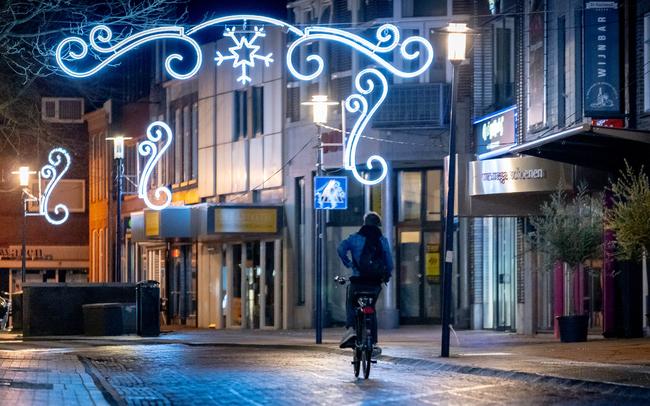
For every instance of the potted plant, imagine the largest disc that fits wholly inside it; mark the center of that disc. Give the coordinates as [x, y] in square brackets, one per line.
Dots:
[570, 231]
[629, 218]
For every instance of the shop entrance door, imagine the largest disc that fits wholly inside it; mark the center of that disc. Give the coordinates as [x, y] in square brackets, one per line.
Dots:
[255, 285]
[182, 295]
[419, 276]
[506, 272]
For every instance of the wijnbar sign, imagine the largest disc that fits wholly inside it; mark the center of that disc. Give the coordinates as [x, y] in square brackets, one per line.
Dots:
[602, 76]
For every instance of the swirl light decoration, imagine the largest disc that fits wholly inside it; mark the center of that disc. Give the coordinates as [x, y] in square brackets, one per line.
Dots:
[74, 49]
[150, 148]
[59, 162]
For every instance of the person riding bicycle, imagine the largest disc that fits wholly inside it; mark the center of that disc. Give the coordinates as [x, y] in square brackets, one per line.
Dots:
[372, 265]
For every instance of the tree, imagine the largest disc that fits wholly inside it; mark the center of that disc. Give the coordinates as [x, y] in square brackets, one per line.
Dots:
[29, 33]
[570, 230]
[629, 216]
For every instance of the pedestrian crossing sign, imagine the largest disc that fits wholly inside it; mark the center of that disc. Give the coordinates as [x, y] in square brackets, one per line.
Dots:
[330, 193]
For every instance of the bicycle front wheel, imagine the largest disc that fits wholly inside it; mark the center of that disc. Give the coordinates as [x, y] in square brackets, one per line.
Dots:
[365, 360]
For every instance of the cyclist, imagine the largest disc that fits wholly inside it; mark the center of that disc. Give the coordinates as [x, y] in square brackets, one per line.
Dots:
[372, 265]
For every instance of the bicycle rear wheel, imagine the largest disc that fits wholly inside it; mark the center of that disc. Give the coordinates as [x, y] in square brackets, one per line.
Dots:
[356, 361]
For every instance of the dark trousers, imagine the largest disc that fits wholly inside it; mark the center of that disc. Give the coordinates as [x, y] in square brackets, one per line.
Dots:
[351, 304]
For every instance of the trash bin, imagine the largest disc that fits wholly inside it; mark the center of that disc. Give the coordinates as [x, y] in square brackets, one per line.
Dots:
[147, 298]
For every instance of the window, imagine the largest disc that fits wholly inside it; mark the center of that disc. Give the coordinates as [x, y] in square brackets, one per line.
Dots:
[195, 140]
[646, 62]
[240, 119]
[561, 77]
[434, 195]
[178, 148]
[438, 70]
[293, 102]
[503, 64]
[258, 110]
[410, 65]
[62, 109]
[187, 143]
[410, 195]
[577, 29]
[300, 237]
[424, 8]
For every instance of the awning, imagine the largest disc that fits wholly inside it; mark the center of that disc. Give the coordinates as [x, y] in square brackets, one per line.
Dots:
[603, 148]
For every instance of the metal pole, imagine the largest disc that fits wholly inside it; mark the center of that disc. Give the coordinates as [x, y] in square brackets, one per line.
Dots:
[449, 221]
[23, 253]
[118, 243]
[319, 247]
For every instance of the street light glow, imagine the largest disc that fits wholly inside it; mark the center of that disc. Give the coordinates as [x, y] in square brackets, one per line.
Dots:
[319, 105]
[118, 145]
[456, 41]
[23, 175]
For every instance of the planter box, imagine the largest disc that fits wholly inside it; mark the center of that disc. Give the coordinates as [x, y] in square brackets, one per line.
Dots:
[573, 329]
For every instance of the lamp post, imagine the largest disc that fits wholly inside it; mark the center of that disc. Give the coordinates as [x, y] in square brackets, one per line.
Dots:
[23, 176]
[456, 40]
[118, 157]
[319, 105]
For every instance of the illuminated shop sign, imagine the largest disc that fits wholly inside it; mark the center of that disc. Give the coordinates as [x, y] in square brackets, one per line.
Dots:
[82, 58]
[602, 76]
[496, 130]
[517, 175]
[244, 220]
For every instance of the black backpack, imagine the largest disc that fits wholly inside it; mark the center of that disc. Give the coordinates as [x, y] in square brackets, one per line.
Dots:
[372, 264]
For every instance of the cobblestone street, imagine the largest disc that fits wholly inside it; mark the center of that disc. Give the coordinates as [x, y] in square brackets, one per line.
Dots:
[257, 375]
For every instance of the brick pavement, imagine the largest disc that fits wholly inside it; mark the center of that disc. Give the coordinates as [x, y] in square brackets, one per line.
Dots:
[39, 377]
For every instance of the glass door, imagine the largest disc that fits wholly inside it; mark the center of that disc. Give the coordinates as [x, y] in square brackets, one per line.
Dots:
[506, 272]
[410, 275]
[252, 273]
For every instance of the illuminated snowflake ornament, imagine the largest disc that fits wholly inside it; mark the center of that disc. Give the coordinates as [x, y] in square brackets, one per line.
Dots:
[244, 53]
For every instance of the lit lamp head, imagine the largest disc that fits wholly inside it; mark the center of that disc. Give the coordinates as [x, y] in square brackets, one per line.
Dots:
[319, 105]
[118, 145]
[23, 173]
[456, 41]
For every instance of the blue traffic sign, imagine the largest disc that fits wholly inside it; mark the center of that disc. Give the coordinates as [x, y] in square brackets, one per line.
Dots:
[330, 193]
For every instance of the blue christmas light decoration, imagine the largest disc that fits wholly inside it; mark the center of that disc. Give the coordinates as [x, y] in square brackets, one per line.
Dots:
[244, 55]
[150, 148]
[58, 164]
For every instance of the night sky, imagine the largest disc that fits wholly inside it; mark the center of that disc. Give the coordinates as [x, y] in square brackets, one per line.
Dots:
[272, 8]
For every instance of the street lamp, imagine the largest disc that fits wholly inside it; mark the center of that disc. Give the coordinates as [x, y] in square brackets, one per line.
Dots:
[319, 104]
[118, 156]
[456, 42]
[23, 176]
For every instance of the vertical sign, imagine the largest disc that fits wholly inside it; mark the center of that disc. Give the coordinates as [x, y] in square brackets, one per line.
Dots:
[602, 78]
[536, 65]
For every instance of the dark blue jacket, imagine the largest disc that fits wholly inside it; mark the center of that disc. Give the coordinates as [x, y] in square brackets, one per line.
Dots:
[354, 244]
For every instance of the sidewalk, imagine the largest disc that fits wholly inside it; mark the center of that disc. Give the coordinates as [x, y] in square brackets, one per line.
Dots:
[619, 362]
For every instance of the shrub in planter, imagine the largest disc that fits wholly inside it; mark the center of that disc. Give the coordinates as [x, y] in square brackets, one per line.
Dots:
[629, 217]
[570, 231]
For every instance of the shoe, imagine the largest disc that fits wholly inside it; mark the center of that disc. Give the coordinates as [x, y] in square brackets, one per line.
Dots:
[348, 338]
[376, 351]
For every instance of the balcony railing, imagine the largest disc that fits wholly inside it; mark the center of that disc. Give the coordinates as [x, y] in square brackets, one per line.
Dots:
[419, 105]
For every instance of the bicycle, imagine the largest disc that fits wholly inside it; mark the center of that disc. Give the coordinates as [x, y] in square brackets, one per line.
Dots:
[364, 342]
[5, 310]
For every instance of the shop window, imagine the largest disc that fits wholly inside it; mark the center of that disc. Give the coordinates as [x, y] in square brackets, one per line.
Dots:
[410, 196]
[424, 8]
